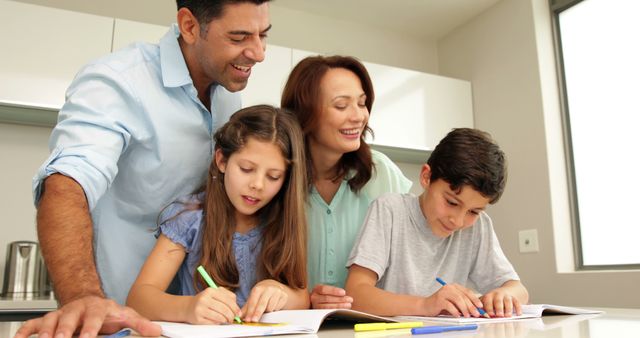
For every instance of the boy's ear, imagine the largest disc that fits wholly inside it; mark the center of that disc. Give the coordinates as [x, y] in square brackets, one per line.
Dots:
[221, 162]
[425, 175]
[188, 25]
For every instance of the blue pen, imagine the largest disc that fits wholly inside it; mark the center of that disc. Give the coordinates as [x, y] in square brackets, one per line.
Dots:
[481, 310]
[439, 329]
[119, 334]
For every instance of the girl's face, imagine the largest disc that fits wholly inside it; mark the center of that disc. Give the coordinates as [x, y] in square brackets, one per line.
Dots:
[343, 115]
[253, 175]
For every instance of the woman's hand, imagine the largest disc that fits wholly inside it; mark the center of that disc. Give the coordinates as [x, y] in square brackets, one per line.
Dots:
[330, 297]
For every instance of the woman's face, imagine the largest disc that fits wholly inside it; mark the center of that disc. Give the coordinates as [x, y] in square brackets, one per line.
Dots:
[343, 114]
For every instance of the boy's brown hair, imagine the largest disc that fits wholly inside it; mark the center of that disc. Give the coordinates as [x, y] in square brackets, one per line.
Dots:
[470, 157]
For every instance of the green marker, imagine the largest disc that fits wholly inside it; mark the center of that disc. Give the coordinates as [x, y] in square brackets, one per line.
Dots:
[212, 284]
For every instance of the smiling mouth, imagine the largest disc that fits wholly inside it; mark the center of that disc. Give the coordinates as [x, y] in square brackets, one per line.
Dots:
[447, 228]
[251, 199]
[350, 132]
[245, 69]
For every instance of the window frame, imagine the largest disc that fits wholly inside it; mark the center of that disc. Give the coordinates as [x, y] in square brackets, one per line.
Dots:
[557, 7]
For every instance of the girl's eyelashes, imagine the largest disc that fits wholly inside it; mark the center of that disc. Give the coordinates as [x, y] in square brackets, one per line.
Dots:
[271, 177]
[450, 202]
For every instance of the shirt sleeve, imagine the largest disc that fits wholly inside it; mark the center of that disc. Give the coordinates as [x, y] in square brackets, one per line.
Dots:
[387, 177]
[94, 128]
[491, 268]
[180, 224]
[373, 245]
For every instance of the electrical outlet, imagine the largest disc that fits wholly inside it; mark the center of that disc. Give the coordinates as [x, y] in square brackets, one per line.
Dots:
[528, 240]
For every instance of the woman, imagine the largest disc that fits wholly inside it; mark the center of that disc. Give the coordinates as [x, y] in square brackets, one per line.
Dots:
[332, 97]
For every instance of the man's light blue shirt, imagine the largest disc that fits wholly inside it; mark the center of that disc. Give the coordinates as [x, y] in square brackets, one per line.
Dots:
[135, 136]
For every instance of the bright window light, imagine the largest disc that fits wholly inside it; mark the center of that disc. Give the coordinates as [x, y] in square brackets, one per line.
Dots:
[601, 57]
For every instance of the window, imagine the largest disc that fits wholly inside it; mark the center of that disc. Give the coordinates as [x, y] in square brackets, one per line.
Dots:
[599, 53]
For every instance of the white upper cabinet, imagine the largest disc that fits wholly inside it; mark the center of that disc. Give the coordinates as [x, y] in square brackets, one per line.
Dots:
[415, 110]
[42, 50]
[126, 32]
[268, 78]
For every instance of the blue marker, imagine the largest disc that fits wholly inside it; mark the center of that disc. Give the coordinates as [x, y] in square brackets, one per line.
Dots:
[119, 334]
[481, 310]
[439, 329]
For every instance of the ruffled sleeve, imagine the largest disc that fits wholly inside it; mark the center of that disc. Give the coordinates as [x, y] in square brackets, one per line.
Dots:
[181, 221]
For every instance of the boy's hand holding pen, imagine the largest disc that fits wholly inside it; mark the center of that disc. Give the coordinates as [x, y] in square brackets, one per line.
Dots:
[456, 300]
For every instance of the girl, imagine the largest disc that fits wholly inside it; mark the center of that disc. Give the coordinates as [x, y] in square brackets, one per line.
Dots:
[332, 97]
[247, 229]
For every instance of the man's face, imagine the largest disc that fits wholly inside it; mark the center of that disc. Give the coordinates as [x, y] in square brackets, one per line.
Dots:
[231, 44]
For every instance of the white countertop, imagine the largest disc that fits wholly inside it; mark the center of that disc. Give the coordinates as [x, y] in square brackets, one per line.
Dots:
[27, 303]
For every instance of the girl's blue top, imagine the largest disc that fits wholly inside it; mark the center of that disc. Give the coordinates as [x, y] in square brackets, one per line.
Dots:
[184, 227]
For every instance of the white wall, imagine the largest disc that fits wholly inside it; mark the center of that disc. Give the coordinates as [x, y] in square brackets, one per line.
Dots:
[22, 150]
[507, 54]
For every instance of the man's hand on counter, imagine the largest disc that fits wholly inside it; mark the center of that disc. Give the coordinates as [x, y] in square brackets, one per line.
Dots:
[89, 316]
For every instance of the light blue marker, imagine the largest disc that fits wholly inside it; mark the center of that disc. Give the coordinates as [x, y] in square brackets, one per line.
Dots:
[439, 329]
[120, 334]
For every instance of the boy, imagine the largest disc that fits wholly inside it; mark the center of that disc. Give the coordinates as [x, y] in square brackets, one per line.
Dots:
[407, 241]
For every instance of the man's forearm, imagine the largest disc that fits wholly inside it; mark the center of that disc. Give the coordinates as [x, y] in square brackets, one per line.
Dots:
[65, 233]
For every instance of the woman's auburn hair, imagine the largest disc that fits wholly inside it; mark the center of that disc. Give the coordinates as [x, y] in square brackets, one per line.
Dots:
[301, 95]
[284, 234]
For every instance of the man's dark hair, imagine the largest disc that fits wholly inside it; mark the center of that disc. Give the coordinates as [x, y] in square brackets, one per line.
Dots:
[207, 10]
[470, 157]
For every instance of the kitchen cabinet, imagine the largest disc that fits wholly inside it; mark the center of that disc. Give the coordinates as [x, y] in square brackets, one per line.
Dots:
[415, 110]
[40, 53]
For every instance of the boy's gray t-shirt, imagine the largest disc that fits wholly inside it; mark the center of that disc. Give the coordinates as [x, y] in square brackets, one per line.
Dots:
[397, 243]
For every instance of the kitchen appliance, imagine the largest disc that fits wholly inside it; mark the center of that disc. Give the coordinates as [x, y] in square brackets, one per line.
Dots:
[25, 273]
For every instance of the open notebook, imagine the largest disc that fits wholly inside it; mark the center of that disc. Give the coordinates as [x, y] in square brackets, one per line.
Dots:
[528, 311]
[291, 321]
[309, 321]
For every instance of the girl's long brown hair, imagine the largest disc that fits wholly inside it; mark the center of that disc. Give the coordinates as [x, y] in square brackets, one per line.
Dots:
[284, 236]
[301, 95]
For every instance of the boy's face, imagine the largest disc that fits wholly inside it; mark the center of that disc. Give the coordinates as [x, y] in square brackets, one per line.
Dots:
[446, 210]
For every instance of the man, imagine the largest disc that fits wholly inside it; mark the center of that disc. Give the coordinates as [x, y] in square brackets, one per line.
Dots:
[134, 133]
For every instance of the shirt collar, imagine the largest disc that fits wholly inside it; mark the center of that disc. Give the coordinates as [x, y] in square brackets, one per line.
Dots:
[174, 68]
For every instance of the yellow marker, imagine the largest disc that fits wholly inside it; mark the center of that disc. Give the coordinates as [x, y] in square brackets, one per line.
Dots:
[386, 326]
